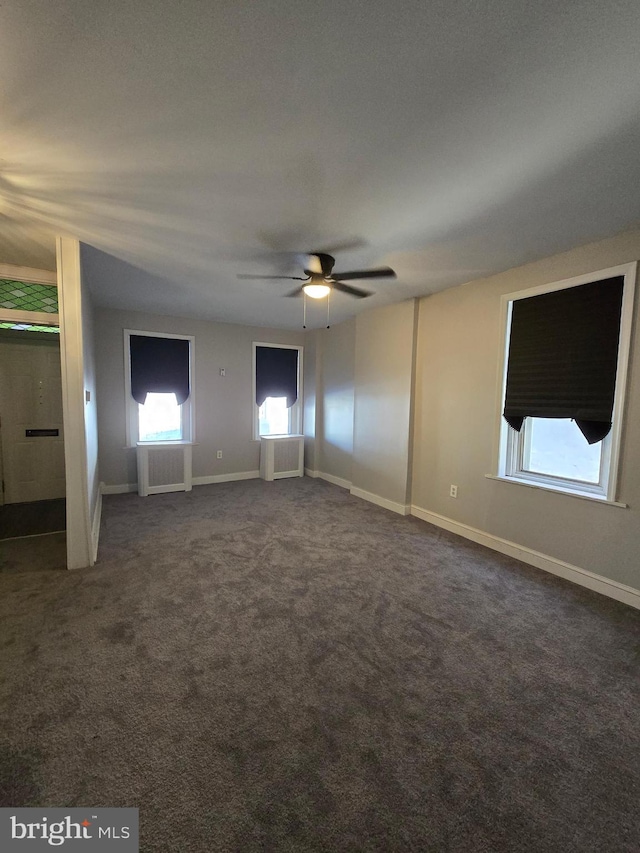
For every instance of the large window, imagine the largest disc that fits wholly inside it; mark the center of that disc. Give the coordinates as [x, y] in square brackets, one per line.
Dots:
[277, 389]
[158, 386]
[564, 376]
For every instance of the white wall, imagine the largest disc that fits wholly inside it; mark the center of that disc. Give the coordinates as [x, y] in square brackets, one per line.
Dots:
[459, 348]
[223, 405]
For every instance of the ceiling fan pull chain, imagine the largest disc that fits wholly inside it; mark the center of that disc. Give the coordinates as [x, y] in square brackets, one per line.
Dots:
[304, 310]
[328, 302]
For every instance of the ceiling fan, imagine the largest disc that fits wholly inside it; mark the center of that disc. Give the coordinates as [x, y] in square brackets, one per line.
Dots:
[319, 278]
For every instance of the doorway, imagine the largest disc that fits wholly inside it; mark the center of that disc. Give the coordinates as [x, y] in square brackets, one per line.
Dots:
[32, 469]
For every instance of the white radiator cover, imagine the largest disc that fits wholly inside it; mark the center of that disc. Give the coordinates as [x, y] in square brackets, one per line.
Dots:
[281, 456]
[164, 466]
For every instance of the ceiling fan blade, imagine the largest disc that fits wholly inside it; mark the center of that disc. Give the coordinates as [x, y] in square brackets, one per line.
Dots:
[352, 291]
[279, 277]
[383, 272]
[296, 292]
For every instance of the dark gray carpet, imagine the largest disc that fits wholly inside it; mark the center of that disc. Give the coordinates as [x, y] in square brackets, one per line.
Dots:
[283, 667]
[35, 517]
[34, 553]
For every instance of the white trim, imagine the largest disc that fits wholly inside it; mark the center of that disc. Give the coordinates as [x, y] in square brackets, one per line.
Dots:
[79, 547]
[226, 478]
[505, 447]
[162, 490]
[188, 419]
[401, 509]
[337, 481]
[622, 373]
[558, 491]
[297, 410]
[95, 526]
[125, 488]
[309, 473]
[586, 278]
[121, 489]
[37, 318]
[28, 274]
[582, 577]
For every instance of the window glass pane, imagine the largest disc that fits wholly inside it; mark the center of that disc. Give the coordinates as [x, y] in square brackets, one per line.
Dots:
[273, 417]
[557, 447]
[160, 418]
[24, 296]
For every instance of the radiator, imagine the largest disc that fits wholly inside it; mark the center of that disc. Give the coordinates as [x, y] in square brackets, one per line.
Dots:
[281, 456]
[164, 467]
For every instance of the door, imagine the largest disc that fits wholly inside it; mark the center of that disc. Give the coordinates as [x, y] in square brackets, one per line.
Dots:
[31, 402]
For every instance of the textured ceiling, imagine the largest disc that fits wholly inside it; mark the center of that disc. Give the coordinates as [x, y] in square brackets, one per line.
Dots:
[189, 141]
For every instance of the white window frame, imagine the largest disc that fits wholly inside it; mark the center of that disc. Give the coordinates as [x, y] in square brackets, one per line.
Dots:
[295, 412]
[511, 444]
[187, 409]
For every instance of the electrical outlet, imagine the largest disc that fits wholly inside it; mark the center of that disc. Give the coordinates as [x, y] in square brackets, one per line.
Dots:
[453, 491]
[219, 454]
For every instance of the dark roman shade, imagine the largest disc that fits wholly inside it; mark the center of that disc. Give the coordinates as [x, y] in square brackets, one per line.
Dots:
[159, 365]
[563, 355]
[276, 374]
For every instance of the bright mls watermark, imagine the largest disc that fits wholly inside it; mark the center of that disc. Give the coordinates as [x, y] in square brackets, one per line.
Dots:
[82, 830]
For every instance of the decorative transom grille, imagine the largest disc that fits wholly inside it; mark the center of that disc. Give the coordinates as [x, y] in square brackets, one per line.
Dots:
[24, 296]
[29, 327]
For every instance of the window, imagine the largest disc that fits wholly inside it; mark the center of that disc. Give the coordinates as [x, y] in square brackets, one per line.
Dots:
[563, 383]
[277, 389]
[158, 390]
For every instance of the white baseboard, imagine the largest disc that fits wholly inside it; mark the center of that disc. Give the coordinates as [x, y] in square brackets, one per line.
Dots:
[225, 478]
[605, 586]
[121, 489]
[95, 525]
[401, 509]
[337, 481]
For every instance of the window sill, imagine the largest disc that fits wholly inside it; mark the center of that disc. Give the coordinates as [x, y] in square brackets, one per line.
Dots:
[557, 490]
[282, 435]
[179, 442]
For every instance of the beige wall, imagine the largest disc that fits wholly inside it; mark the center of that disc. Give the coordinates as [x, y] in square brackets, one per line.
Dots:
[384, 353]
[312, 397]
[337, 346]
[90, 405]
[223, 405]
[458, 354]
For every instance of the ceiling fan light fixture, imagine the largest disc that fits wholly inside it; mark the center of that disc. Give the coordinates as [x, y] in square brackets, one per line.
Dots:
[316, 291]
